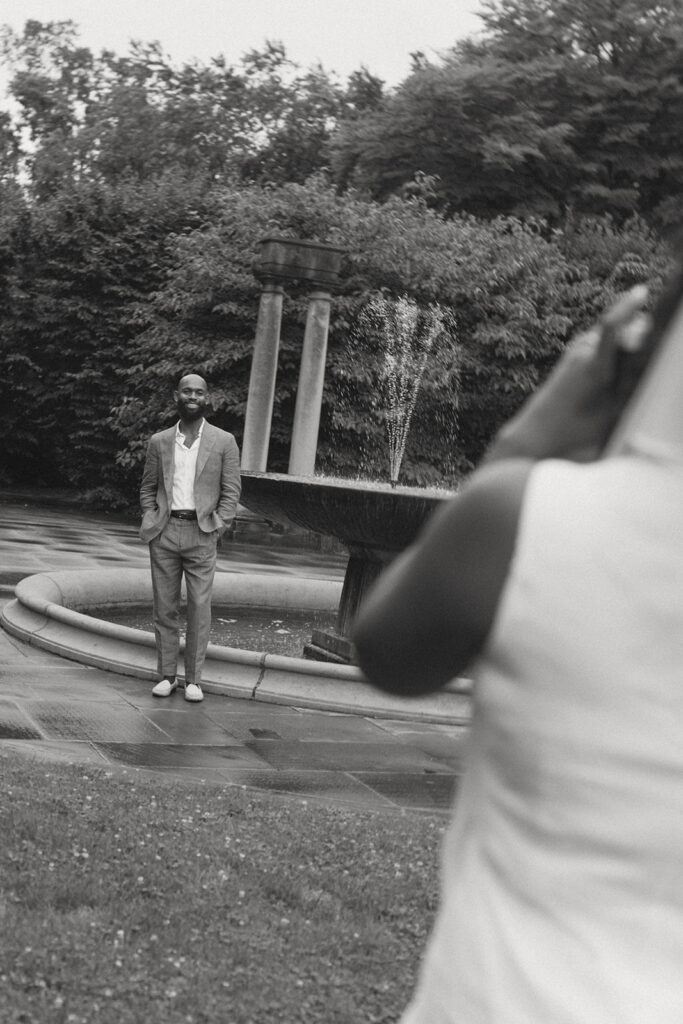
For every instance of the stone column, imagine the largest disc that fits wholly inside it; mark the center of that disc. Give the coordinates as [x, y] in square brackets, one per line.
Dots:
[261, 395]
[309, 394]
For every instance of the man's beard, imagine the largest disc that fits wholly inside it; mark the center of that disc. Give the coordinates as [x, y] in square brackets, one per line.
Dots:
[191, 414]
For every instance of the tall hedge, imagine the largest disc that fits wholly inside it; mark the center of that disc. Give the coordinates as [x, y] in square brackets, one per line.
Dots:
[512, 293]
[110, 292]
[76, 272]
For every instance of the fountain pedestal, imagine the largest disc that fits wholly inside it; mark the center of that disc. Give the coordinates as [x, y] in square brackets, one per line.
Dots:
[373, 522]
[362, 570]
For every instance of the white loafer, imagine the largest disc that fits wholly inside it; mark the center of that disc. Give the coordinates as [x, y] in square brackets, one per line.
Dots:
[193, 692]
[165, 687]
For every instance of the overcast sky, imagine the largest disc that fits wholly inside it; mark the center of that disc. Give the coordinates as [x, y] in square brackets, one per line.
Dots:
[340, 34]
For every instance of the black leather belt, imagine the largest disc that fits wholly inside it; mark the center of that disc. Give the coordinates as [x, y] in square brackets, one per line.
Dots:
[181, 513]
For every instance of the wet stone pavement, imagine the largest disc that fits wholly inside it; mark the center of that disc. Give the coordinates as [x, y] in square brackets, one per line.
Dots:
[54, 708]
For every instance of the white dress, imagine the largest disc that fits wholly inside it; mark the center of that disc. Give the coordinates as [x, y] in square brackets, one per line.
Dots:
[562, 872]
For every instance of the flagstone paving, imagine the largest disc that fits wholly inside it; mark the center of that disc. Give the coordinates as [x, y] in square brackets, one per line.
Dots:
[53, 708]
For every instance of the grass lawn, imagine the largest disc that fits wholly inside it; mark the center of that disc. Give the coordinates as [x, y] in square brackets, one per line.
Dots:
[125, 899]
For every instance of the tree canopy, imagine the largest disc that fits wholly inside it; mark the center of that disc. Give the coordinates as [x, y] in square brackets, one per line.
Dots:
[561, 105]
[103, 116]
[516, 185]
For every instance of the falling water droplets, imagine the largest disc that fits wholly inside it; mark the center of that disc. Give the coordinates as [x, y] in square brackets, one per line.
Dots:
[408, 334]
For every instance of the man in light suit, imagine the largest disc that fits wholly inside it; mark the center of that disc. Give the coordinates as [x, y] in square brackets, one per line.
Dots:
[189, 493]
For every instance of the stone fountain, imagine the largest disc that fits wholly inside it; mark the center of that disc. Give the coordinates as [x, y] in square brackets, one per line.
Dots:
[57, 610]
[373, 521]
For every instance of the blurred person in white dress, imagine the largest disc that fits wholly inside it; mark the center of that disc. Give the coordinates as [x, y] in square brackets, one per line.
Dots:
[555, 581]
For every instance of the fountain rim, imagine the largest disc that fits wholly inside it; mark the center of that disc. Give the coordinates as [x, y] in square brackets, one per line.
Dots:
[38, 615]
[348, 484]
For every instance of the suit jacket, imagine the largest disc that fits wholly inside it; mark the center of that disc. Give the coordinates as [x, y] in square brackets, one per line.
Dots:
[217, 482]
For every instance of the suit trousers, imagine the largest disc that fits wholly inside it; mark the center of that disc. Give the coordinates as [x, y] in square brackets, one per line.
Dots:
[182, 548]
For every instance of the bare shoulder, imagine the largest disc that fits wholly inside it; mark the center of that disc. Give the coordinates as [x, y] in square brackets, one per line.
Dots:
[431, 612]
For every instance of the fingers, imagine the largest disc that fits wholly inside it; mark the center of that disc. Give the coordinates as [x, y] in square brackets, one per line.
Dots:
[633, 334]
[623, 308]
[586, 342]
[623, 326]
[617, 323]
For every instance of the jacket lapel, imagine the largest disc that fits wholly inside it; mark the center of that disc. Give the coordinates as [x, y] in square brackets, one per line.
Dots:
[205, 445]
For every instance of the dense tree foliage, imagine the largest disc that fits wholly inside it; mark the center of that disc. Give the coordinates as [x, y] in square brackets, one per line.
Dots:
[510, 296]
[103, 117]
[561, 105]
[76, 272]
[517, 184]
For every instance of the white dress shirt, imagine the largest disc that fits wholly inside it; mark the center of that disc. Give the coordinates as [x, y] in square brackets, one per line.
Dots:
[184, 469]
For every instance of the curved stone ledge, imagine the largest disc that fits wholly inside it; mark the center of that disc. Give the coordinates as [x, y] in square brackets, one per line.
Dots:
[50, 612]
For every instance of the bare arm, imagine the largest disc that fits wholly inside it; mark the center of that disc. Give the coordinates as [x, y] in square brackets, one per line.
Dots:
[429, 614]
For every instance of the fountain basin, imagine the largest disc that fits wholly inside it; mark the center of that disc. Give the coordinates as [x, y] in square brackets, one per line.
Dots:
[50, 611]
[380, 519]
[373, 521]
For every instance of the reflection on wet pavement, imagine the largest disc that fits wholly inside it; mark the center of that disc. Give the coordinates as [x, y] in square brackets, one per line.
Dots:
[54, 708]
[14, 724]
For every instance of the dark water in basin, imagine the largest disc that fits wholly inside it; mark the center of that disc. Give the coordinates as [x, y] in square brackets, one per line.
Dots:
[252, 629]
